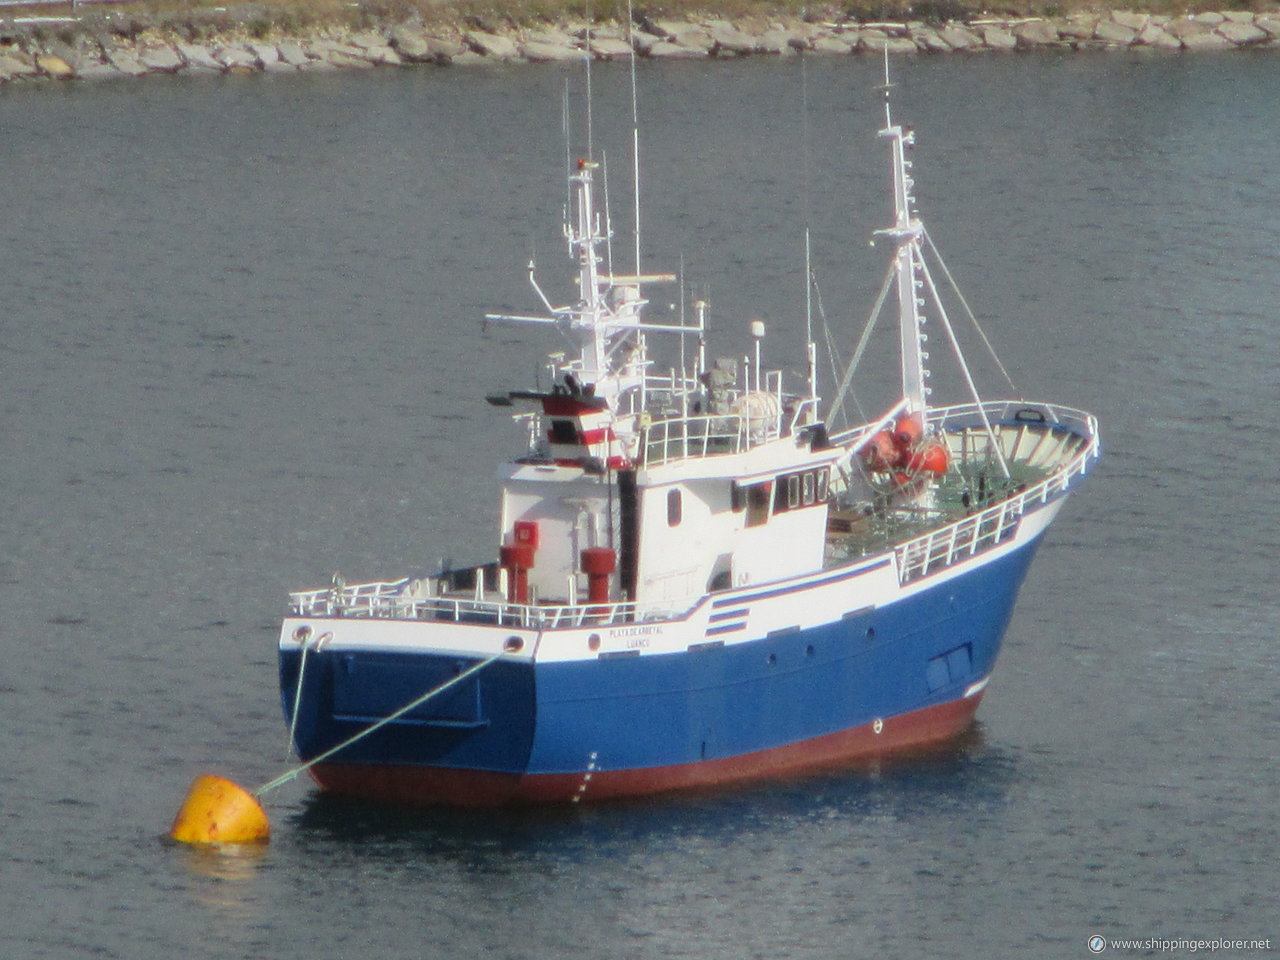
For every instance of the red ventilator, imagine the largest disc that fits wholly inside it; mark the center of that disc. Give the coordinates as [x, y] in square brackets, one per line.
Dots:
[598, 563]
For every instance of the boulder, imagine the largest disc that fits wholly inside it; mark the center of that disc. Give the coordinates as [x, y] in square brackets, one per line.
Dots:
[12, 67]
[1154, 35]
[1114, 34]
[1036, 33]
[427, 48]
[1136, 22]
[878, 43]
[199, 59]
[536, 51]
[1207, 41]
[492, 45]
[236, 59]
[52, 65]
[959, 37]
[292, 54]
[1184, 27]
[410, 41]
[317, 65]
[776, 43]
[610, 48]
[998, 38]
[644, 40]
[269, 56]
[340, 54]
[928, 40]
[690, 35]
[663, 28]
[383, 54]
[98, 71]
[669, 50]
[1242, 34]
[161, 60]
[1078, 27]
[729, 40]
[126, 62]
[1270, 24]
[554, 38]
[832, 43]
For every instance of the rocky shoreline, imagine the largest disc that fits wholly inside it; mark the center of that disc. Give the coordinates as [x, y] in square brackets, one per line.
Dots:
[105, 49]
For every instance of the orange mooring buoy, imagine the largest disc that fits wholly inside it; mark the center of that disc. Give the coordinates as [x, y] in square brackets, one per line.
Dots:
[219, 811]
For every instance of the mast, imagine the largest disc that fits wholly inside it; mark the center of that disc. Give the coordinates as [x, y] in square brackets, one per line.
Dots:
[907, 233]
[583, 238]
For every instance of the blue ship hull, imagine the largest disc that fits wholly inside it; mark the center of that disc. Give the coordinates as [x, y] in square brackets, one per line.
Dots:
[906, 673]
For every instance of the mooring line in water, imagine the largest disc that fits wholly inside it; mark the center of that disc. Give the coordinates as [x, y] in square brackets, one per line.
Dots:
[297, 699]
[290, 774]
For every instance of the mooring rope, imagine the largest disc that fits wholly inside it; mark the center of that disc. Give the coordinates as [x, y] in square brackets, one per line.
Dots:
[290, 774]
[297, 700]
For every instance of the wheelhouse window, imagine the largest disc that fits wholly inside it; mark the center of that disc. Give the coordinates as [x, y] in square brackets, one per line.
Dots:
[563, 432]
[804, 489]
[758, 497]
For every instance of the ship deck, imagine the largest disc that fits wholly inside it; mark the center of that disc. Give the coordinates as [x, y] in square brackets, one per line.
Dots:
[972, 508]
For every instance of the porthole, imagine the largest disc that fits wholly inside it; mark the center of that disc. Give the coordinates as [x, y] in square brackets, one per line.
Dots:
[513, 644]
[302, 634]
[593, 642]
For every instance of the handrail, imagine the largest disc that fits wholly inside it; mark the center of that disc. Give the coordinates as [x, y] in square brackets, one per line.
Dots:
[916, 558]
[685, 437]
[388, 601]
[944, 546]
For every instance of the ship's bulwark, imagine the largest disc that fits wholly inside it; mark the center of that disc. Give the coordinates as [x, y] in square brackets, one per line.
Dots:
[908, 674]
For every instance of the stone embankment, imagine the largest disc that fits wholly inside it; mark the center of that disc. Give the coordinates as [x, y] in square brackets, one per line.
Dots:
[105, 51]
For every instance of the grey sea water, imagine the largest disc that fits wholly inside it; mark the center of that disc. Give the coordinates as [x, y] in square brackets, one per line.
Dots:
[240, 349]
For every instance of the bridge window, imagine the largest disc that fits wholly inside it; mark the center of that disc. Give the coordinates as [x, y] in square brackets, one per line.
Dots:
[563, 431]
[803, 489]
[758, 497]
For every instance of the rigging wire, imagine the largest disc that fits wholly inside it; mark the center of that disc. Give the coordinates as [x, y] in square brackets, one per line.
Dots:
[806, 210]
[635, 131]
[568, 149]
[838, 400]
[964, 369]
[968, 312]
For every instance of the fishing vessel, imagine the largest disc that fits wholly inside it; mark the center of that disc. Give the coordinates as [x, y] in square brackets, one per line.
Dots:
[694, 578]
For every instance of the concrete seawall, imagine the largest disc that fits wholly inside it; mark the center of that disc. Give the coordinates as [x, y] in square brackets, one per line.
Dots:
[105, 49]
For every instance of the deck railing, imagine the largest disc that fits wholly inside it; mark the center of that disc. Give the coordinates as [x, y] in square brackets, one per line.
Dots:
[980, 531]
[916, 558]
[394, 601]
[686, 437]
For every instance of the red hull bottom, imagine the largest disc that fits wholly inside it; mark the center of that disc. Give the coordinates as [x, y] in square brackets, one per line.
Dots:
[414, 785]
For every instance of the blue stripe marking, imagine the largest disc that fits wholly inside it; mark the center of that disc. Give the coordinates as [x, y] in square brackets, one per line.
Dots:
[726, 628]
[729, 614]
[808, 584]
